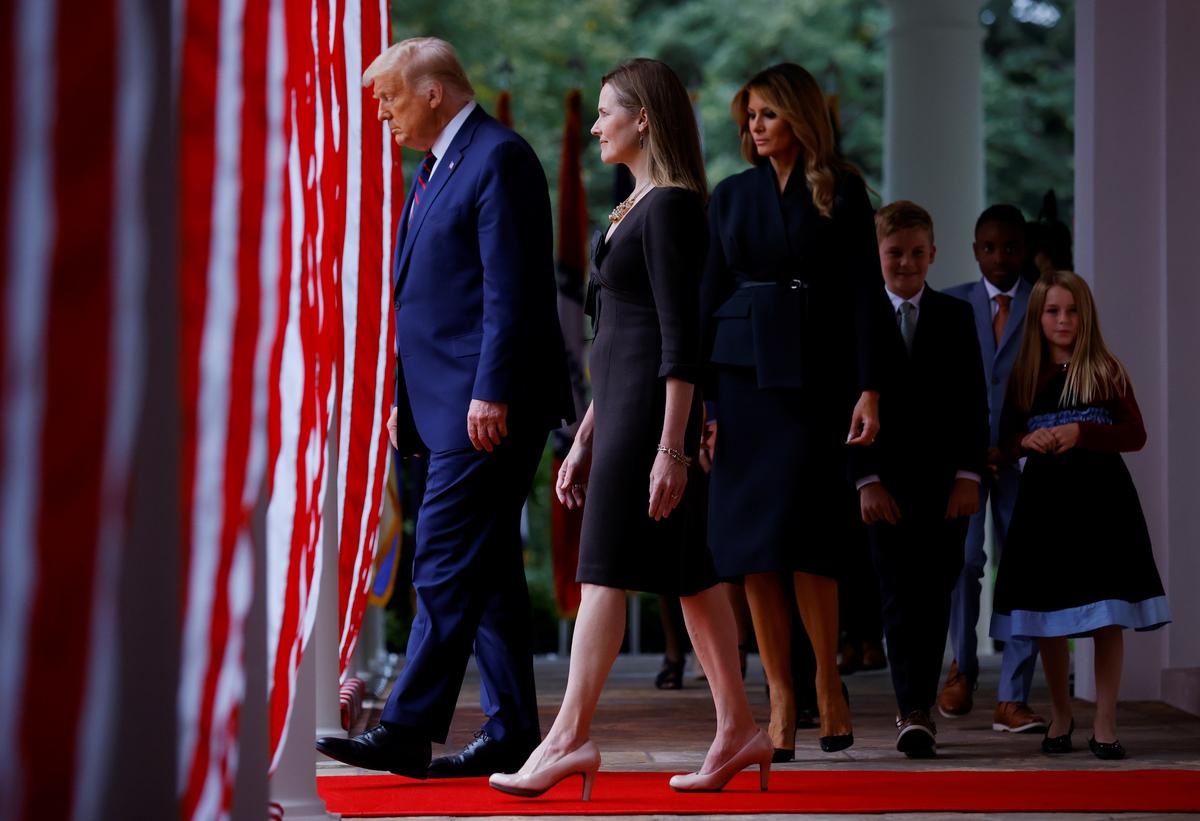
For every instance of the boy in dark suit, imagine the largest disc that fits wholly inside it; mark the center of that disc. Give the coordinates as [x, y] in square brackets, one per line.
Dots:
[919, 482]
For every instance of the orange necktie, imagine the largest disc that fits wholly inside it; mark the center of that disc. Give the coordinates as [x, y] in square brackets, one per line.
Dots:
[1002, 303]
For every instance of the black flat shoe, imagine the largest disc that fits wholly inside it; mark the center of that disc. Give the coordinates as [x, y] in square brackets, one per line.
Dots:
[670, 676]
[1112, 751]
[782, 756]
[1054, 745]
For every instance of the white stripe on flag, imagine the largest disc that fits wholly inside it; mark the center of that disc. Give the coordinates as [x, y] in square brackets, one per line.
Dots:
[212, 413]
[30, 233]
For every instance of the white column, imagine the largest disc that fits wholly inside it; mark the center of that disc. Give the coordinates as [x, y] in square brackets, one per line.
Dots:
[1137, 126]
[933, 124]
[315, 712]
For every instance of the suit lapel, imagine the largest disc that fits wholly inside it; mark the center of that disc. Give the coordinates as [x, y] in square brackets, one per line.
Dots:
[401, 237]
[446, 167]
[983, 319]
[775, 235]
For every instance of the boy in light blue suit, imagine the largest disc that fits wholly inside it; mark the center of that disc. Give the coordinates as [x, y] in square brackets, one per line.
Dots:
[998, 300]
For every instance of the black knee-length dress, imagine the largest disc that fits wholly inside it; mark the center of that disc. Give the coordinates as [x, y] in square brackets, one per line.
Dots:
[1077, 556]
[644, 302]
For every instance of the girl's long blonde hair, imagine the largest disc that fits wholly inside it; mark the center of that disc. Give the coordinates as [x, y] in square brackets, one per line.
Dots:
[1093, 374]
[797, 98]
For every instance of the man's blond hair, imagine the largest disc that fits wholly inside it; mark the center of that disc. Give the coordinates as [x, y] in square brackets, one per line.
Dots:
[420, 61]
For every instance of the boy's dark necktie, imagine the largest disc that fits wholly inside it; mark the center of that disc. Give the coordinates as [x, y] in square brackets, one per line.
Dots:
[907, 313]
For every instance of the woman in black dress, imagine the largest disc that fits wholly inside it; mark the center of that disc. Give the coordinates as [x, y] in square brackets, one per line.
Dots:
[643, 429]
[795, 303]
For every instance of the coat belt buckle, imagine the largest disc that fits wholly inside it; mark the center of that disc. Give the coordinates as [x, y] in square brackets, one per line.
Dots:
[797, 284]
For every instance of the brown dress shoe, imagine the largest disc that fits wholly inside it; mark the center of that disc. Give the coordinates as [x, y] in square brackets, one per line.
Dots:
[1016, 717]
[873, 657]
[956, 698]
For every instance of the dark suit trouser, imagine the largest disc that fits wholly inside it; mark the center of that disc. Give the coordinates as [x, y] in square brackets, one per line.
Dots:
[469, 579]
[918, 561]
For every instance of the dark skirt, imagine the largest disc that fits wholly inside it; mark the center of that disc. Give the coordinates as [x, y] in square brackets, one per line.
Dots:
[620, 545]
[1077, 556]
[779, 496]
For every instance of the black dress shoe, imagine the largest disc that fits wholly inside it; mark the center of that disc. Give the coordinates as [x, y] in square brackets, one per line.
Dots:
[781, 755]
[1109, 751]
[483, 756]
[380, 749]
[1054, 745]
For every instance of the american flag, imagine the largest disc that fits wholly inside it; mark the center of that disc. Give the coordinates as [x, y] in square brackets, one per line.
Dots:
[284, 205]
[72, 354]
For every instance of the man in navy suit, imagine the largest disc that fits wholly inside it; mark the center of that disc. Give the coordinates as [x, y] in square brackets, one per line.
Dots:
[998, 300]
[481, 379]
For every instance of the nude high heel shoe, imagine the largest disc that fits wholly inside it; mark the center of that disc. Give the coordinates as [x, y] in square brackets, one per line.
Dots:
[758, 750]
[583, 761]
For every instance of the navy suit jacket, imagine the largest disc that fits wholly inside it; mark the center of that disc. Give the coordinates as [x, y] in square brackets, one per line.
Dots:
[475, 294]
[997, 359]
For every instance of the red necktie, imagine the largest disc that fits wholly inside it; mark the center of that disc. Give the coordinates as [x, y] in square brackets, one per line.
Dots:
[1001, 317]
[422, 182]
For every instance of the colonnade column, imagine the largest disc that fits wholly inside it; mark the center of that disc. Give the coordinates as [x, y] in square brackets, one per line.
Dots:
[1136, 131]
[933, 123]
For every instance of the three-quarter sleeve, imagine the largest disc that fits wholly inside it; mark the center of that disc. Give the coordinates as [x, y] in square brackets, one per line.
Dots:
[675, 242]
[1127, 431]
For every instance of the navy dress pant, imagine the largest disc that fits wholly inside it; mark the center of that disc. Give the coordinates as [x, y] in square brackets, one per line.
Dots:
[918, 561]
[469, 578]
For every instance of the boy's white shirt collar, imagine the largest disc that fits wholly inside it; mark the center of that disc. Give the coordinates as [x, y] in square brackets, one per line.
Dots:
[442, 143]
[993, 291]
[896, 300]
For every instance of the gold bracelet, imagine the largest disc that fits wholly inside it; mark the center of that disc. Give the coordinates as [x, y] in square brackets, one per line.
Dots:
[678, 455]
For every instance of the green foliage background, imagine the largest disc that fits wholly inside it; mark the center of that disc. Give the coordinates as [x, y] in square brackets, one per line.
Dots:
[540, 49]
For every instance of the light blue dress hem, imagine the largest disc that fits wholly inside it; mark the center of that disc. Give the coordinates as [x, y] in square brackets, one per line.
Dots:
[1149, 614]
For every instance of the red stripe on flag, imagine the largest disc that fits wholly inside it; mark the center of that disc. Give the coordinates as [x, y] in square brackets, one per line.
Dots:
[73, 442]
[223, 145]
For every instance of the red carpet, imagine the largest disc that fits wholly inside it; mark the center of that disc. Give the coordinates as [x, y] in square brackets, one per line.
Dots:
[646, 793]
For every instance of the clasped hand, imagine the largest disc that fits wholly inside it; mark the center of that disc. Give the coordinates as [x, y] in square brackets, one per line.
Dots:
[1058, 439]
[877, 505]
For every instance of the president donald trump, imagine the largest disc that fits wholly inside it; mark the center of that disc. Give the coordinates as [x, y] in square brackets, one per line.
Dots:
[481, 378]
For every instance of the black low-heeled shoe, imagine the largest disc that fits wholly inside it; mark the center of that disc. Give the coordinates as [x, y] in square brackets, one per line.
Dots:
[1108, 751]
[780, 755]
[1054, 745]
[837, 743]
[670, 676]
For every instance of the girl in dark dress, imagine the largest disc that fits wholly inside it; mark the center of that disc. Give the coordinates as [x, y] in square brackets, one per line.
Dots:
[1078, 560]
[643, 429]
[795, 305]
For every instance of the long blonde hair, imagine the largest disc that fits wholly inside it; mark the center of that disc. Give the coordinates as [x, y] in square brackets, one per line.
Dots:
[672, 139]
[1093, 373]
[797, 98]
